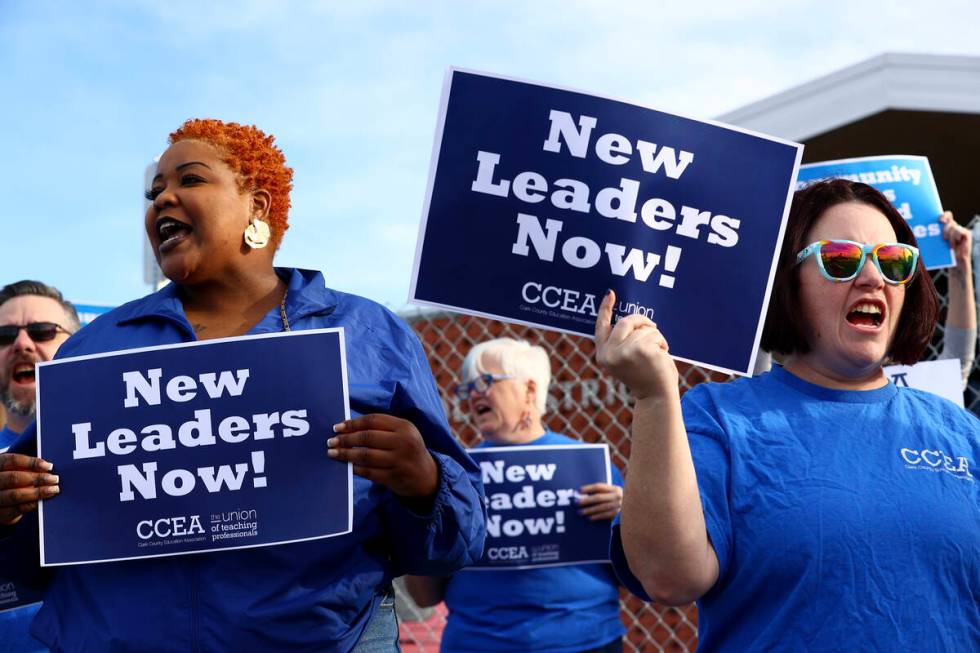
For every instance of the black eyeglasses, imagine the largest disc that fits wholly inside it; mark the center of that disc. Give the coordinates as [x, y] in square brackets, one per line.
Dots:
[480, 385]
[36, 331]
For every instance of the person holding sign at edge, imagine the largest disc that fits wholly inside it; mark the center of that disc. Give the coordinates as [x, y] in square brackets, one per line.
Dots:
[217, 213]
[560, 609]
[801, 504]
[35, 319]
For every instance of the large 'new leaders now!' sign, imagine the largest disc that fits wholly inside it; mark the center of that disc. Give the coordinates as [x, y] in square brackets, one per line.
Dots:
[541, 198]
[194, 447]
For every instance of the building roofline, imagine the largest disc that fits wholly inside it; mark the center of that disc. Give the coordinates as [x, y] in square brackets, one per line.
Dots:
[904, 81]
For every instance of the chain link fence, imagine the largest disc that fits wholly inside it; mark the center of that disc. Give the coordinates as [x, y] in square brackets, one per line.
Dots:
[583, 403]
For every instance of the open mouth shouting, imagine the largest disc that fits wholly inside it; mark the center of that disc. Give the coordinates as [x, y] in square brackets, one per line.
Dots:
[171, 232]
[866, 315]
[22, 373]
[481, 408]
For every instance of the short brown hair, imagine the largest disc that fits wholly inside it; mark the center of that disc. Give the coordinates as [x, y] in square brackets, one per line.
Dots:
[28, 287]
[784, 331]
[254, 156]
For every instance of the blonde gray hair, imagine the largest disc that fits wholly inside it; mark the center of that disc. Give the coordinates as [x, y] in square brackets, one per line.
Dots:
[517, 358]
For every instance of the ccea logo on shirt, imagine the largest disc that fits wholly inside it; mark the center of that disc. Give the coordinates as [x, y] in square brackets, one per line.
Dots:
[936, 460]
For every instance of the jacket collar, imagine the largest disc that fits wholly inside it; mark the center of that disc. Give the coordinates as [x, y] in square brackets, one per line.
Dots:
[306, 295]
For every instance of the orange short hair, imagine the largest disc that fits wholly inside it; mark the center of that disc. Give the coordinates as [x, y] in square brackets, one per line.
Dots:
[256, 159]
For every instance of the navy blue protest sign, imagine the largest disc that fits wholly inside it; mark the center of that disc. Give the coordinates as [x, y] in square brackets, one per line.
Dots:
[202, 446]
[908, 184]
[14, 594]
[541, 198]
[532, 497]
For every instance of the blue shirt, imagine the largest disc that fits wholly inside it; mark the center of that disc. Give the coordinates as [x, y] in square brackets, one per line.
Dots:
[7, 438]
[305, 596]
[546, 609]
[840, 519]
[14, 623]
[14, 626]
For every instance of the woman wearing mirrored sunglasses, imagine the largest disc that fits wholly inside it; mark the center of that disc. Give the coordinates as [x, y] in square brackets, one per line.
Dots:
[563, 609]
[960, 327]
[816, 507]
[217, 210]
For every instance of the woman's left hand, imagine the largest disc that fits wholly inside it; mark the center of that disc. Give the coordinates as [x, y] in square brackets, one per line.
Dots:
[960, 239]
[387, 450]
[601, 501]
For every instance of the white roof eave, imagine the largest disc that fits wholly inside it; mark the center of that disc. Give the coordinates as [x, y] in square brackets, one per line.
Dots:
[916, 82]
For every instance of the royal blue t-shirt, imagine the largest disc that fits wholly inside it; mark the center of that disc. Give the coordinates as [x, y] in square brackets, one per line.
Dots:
[546, 609]
[842, 520]
[14, 627]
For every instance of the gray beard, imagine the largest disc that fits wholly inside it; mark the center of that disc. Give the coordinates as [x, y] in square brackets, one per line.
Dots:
[23, 409]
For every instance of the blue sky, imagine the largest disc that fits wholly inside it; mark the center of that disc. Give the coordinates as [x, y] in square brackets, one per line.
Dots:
[90, 91]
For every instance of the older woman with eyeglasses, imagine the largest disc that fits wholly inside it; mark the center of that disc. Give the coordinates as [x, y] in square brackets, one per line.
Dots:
[816, 507]
[567, 609]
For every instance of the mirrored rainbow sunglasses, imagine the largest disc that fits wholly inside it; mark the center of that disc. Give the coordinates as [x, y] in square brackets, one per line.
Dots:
[842, 260]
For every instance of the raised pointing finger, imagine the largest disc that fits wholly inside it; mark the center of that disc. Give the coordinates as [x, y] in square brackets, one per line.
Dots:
[603, 322]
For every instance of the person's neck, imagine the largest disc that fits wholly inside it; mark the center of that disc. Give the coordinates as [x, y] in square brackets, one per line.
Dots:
[18, 423]
[869, 378]
[232, 305]
[518, 435]
[237, 293]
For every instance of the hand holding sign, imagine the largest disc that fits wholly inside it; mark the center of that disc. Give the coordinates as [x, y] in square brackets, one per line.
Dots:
[601, 501]
[634, 352]
[24, 480]
[387, 450]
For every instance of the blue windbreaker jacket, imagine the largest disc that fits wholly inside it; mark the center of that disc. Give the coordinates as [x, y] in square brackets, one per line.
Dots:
[305, 596]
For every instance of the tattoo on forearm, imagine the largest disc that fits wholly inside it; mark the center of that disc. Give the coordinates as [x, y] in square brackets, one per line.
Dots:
[956, 274]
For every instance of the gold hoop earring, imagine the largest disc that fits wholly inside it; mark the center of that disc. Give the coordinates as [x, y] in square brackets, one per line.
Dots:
[257, 234]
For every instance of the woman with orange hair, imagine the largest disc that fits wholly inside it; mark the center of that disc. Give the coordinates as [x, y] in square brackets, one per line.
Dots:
[218, 210]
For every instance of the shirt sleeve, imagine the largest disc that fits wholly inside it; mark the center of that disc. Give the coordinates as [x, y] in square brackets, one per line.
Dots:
[712, 464]
[622, 568]
[617, 476]
[960, 343]
[451, 536]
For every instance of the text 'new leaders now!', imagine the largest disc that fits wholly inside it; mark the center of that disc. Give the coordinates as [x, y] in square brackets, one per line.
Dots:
[194, 447]
[541, 198]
